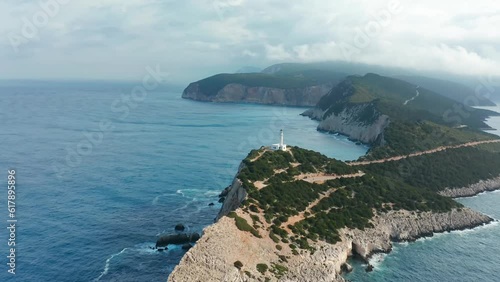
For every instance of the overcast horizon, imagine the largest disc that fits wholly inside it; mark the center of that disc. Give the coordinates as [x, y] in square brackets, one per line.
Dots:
[111, 40]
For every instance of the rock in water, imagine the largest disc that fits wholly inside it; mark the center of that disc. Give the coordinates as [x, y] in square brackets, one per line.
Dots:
[346, 268]
[369, 268]
[177, 239]
[194, 237]
[180, 227]
[187, 246]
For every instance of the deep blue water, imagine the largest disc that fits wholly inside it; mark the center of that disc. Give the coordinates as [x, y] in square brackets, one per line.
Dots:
[91, 211]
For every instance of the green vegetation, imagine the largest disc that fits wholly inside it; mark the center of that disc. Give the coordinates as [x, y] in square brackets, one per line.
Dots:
[428, 121]
[274, 237]
[447, 169]
[353, 201]
[264, 167]
[262, 268]
[212, 85]
[405, 137]
[310, 162]
[238, 264]
[243, 225]
[279, 270]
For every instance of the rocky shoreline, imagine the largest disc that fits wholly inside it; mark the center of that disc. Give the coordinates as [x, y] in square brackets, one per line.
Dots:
[222, 244]
[238, 93]
[215, 255]
[474, 189]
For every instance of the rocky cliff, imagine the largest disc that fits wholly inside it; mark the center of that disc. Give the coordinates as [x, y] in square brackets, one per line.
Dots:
[239, 93]
[359, 121]
[474, 189]
[347, 122]
[228, 252]
[233, 196]
[213, 257]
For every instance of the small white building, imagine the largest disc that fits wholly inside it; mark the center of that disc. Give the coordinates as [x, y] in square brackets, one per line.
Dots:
[280, 146]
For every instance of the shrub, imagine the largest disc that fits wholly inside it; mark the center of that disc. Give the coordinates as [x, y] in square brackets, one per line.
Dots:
[238, 264]
[262, 267]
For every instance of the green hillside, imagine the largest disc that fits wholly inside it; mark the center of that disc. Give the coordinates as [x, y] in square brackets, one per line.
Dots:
[419, 118]
[452, 168]
[211, 85]
[450, 89]
[326, 206]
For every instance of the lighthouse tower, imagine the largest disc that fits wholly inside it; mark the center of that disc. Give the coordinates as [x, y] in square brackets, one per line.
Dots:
[281, 146]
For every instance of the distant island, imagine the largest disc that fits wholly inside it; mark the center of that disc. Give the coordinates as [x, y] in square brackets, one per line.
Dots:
[297, 215]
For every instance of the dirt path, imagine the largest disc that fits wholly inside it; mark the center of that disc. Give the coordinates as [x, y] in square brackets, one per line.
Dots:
[301, 216]
[260, 155]
[438, 149]
[321, 178]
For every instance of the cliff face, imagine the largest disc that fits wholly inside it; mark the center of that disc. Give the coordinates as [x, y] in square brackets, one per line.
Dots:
[236, 194]
[347, 123]
[359, 121]
[213, 257]
[238, 93]
[474, 189]
[326, 262]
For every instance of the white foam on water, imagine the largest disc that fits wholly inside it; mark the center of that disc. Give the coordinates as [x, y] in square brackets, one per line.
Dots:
[376, 260]
[482, 194]
[461, 232]
[211, 193]
[108, 262]
[157, 198]
[147, 248]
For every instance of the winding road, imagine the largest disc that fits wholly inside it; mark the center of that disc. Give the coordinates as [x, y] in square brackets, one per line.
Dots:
[438, 149]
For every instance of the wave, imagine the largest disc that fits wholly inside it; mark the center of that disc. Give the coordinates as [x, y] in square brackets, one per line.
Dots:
[143, 249]
[376, 260]
[464, 232]
[157, 198]
[108, 262]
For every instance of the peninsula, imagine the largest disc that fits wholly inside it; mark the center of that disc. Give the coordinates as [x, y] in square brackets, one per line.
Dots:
[296, 215]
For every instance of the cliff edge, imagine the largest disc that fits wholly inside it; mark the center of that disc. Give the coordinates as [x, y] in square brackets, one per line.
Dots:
[222, 244]
[238, 93]
[298, 216]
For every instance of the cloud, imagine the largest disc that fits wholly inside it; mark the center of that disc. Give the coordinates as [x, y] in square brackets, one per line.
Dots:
[193, 39]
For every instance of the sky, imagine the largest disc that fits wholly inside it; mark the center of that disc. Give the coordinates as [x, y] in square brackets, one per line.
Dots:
[192, 39]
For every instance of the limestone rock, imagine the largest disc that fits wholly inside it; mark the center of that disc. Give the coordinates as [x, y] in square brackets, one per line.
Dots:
[307, 96]
[474, 189]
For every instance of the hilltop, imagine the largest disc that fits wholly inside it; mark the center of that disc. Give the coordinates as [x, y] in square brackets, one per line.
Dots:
[298, 215]
[300, 89]
[397, 117]
[303, 84]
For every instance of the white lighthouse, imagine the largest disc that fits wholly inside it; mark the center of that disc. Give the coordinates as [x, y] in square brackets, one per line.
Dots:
[280, 146]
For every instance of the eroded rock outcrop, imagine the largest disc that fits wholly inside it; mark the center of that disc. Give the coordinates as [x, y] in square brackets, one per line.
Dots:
[347, 123]
[233, 196]
[238, 93]
[359, 121]
[474, 189]
[213, 257]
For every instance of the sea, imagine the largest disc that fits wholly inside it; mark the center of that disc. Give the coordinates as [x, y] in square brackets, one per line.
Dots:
[101, 172]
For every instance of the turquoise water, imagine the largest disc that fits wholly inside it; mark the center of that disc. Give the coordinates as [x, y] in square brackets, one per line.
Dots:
[471, 255]
[93, 212]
